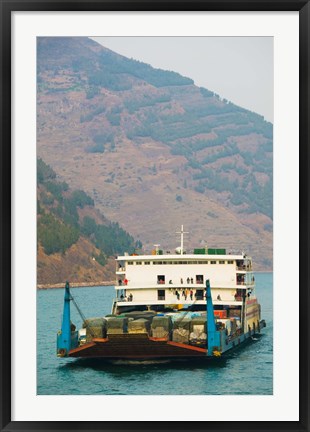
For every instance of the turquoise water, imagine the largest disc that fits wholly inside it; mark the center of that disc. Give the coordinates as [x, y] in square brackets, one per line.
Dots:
[247, 371]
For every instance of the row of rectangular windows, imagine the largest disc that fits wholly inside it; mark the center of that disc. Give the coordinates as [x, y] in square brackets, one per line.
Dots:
[179, 262]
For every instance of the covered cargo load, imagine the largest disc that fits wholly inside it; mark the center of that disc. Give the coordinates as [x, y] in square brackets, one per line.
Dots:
[95, 328]
[160, 333]
[182, 322]
[117, 325]
[180, 335]
[162, 321]
[181, 329]
[198, 334]
[140, 315]
[161, 327]
[140, 325]
[199, 321]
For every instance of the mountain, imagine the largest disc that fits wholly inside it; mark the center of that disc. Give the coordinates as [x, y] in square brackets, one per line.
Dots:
[75, 241]
[153, 150]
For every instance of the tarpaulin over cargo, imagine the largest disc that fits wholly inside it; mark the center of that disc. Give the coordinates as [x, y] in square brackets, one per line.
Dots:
[187, 314]
[139, 326]
[95, 322]
[180, 335]
[160, 332]
[182, 323]
[198, 332]
[117, 325]
[162, 321]
[137, 315]
[197, 336]
[200, 321]
[95, 328]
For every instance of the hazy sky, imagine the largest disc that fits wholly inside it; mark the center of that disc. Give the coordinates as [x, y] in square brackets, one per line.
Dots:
[239, 69]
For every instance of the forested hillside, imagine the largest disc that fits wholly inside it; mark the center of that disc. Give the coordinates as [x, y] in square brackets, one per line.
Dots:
[68, 220]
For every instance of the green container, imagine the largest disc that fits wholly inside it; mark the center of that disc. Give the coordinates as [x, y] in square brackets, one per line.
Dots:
[217, 251]
[199, 251]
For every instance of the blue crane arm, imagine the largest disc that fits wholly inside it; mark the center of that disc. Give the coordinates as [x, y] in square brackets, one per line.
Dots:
[64, 335]
[214, 337]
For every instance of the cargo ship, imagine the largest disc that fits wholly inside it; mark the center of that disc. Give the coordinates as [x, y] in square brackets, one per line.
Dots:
[170, 305]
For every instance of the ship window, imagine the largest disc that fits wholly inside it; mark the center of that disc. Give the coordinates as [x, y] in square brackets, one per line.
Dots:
[213, 262]
[199, 295]
[147, 262]
[130, 263]
[161, 294]
[199, 279]
[160, 279]
[192, 262]
[221, 262]
[138, 262]
[230, 262]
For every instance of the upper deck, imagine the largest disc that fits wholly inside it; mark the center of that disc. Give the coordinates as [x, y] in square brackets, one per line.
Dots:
[241, 260]
[161, 275]
[223, 270]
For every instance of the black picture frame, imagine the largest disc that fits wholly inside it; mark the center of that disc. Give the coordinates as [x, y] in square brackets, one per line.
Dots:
[7, 7]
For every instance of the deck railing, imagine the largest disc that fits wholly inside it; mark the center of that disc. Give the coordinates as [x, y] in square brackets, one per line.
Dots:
[188, 301]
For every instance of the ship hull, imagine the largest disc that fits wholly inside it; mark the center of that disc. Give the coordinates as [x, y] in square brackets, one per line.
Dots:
[144, 347]
[136, 346]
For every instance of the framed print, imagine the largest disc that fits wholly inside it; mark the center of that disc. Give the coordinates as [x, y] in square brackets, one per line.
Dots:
[147, 157]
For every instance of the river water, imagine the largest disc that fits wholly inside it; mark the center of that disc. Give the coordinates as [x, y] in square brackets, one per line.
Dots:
[247, 372]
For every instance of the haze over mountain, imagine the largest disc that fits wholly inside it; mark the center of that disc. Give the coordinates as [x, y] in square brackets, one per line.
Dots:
[153, 150]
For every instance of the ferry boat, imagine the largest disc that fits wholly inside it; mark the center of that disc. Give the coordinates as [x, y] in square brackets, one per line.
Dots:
[200, 304]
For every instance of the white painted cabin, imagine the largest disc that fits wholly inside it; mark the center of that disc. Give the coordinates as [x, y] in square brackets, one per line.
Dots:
[155, 279]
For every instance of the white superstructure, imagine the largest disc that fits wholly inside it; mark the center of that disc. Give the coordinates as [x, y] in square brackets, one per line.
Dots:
[163, 280]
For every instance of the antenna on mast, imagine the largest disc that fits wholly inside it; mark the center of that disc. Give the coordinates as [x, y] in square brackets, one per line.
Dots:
[182, 232]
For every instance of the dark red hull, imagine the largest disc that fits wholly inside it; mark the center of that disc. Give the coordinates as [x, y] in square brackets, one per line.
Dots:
[136, 346]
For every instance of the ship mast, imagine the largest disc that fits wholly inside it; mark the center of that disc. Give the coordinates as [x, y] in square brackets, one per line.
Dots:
[182, 232]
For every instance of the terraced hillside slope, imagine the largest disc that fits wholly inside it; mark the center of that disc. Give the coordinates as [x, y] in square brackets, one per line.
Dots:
[153, 150]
